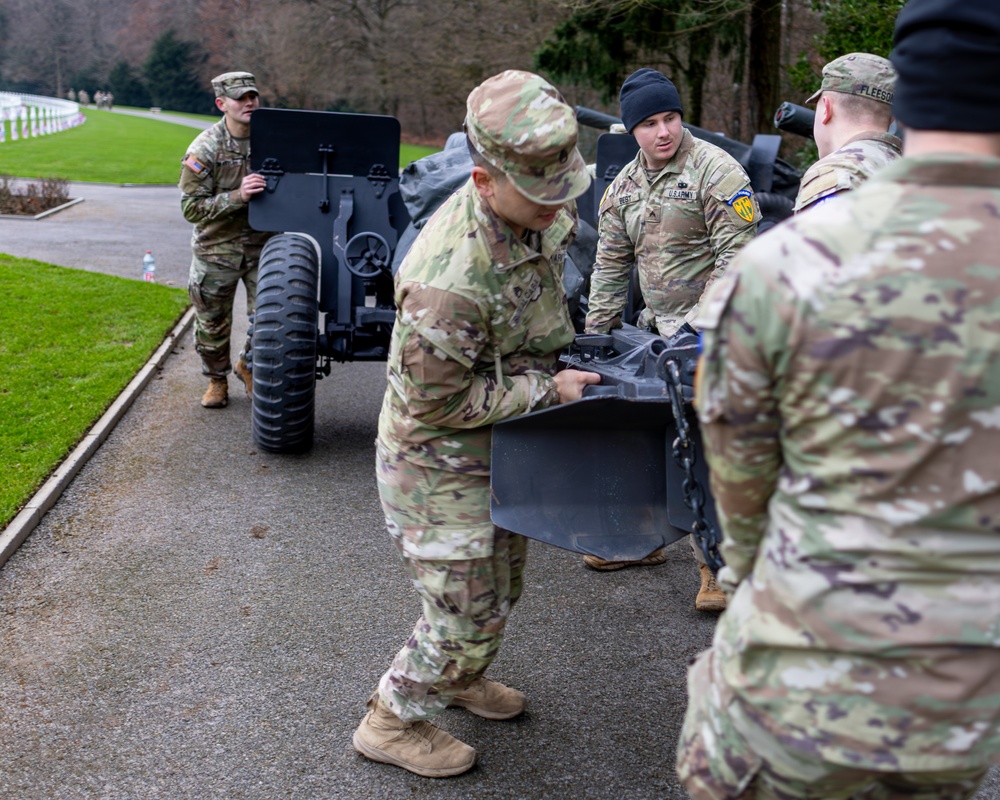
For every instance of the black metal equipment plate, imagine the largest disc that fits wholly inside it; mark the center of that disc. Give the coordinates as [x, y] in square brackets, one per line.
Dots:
[595, 476]
[295, 137]
[599, 475]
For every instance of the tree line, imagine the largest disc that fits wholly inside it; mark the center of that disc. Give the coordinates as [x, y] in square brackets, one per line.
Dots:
[733, 61]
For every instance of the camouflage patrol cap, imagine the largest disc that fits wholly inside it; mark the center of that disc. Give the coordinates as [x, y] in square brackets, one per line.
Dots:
[234, 84]
[521, 125]
[862, 74]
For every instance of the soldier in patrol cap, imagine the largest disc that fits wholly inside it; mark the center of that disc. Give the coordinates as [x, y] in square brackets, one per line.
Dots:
[679, 212]
[849, 401]
[853, 114]
[481, 320]
[217, 187]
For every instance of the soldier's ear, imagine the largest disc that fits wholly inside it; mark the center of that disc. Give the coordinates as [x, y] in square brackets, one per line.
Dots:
[825, 109]
[220, 103]
[483, 181]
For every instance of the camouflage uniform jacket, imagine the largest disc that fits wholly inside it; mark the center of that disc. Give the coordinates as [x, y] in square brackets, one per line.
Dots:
[211, 173]
[481, 319]
[849, 400]
[681, 230]
[847, 168]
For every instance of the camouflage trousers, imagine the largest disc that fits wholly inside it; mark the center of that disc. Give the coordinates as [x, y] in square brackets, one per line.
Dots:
[467, 572]
[715, 761]
[212, 289]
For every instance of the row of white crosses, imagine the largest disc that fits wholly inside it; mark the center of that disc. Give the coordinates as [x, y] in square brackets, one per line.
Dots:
[28, 115]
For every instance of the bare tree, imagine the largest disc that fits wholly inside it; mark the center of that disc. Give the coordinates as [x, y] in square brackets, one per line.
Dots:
[302, 57]
[48, 42]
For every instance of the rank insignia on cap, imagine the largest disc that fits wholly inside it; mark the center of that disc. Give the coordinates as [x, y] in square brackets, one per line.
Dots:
[742, 204]
[193, 164]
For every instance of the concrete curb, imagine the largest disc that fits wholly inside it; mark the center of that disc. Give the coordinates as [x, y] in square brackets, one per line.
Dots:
[44, 214]
[29, 517]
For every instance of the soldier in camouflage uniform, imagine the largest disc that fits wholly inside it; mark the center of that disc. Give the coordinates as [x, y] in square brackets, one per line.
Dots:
[216, 188]
[853, 112]
[679, 211]
[849, 399]
[481, 320]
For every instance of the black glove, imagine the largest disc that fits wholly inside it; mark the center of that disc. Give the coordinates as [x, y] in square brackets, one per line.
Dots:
[684, 336]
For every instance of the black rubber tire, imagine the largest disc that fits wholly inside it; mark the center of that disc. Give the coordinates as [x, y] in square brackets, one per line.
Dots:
[774, 208]
[285, 328]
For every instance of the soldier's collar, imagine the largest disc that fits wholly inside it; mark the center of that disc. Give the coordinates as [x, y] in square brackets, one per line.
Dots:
[232, 143]
[676, 164]
[507, 250]
[874, 136]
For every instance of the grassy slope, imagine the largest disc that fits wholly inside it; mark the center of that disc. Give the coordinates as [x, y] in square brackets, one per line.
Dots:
[52, 387]
[117, 148]
[107, 148]
[72, 340]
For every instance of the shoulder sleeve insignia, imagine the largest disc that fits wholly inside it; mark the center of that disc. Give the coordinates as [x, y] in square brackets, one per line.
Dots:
[742, 204]
[605, 203]
[194, 165]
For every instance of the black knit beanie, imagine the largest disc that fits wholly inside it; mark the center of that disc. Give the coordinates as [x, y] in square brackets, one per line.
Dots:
[644, 93]
[947, 56]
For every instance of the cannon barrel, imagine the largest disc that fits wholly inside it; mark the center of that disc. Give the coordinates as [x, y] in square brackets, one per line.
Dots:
[595, 119]
[795, 119]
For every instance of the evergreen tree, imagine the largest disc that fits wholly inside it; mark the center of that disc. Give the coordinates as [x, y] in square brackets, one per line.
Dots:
[850, 26]
[127, 87]
[171, 76]
[603, 42]
[85, 79]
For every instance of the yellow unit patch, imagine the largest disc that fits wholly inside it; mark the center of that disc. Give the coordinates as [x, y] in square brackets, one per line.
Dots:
[743, 207]
[742, 204]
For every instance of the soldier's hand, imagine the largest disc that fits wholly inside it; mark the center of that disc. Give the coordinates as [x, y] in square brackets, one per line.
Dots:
[571, 382]
[252, 184]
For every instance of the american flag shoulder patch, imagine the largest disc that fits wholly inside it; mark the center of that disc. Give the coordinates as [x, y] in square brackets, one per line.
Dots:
[194, 165]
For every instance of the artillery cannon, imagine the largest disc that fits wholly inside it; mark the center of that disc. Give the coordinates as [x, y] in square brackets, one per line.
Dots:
[345, 218]
[324, 286]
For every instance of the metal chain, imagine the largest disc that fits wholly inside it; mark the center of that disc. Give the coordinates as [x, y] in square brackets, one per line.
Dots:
[685, 454]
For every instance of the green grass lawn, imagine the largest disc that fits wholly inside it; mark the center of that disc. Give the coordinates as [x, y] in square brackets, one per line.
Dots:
[107, 148]
[118, 148]
[64, 359]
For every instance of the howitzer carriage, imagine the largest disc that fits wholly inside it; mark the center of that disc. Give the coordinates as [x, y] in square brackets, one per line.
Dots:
[324, 288]
[325, 294]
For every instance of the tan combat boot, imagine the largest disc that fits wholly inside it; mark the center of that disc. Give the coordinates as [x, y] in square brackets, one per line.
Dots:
[710, 596]
[217, 395]
[419, 747]
[490, 700]
[242, 372]
[658, 556]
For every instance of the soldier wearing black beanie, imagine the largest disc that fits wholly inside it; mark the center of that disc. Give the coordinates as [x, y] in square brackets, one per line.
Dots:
[945, 53]
[813, 687]
[644, 93]
[679, 212]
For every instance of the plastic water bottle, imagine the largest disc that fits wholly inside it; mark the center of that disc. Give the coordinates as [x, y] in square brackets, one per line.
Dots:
[149, 267]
